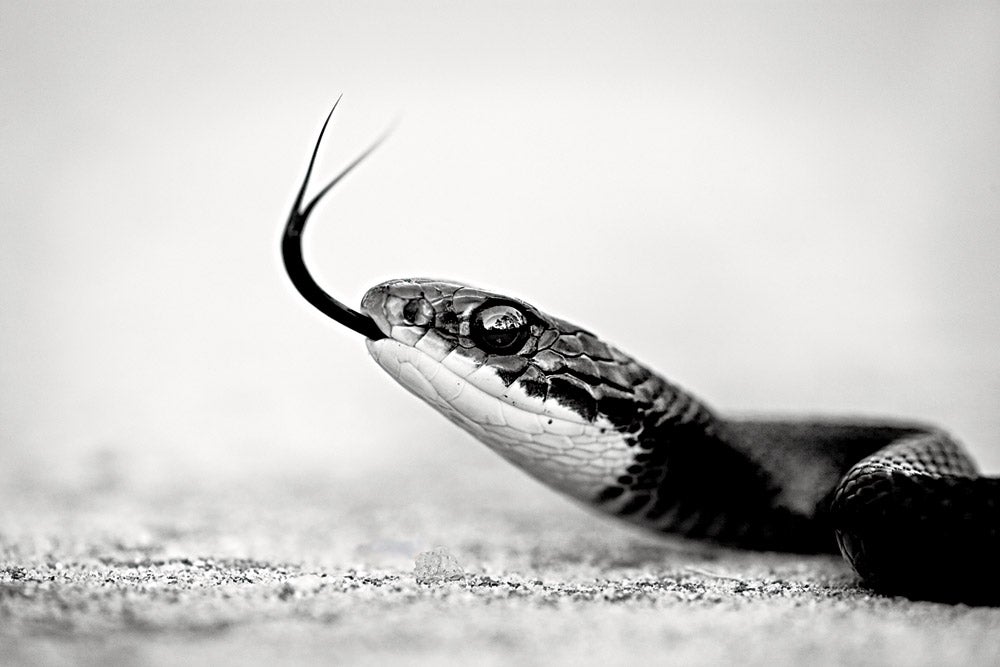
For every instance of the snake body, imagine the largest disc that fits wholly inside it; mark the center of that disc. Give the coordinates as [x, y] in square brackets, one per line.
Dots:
[901, 501]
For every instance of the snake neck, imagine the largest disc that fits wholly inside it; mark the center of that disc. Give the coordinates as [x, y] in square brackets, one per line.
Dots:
[690, 475]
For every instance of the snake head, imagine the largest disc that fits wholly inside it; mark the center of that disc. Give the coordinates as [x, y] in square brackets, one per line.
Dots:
[547, 395]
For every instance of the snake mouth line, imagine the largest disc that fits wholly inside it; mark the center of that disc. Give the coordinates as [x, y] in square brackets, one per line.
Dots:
[430, 368]
[574, 456]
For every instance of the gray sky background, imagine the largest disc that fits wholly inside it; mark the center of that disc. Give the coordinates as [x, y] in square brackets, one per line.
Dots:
[782, 206]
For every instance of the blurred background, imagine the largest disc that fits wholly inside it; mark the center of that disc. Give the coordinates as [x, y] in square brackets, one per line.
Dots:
[785, 207]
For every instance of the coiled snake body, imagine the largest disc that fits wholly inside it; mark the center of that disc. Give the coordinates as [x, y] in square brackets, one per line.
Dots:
[901, 501]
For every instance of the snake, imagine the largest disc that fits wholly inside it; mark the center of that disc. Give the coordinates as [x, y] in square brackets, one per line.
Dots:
[901, 501]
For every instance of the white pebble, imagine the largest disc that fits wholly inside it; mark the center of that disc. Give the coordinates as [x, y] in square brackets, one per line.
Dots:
[436, 566]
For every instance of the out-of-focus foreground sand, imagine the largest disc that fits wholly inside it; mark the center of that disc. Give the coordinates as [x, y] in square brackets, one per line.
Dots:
[318, 568]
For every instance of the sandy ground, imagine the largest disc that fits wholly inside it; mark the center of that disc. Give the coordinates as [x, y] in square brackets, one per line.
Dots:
[312, 568]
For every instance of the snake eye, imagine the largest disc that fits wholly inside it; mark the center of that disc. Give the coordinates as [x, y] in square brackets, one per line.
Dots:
[500, 328]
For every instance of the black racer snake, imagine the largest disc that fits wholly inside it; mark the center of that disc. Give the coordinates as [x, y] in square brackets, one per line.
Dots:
[901, 501]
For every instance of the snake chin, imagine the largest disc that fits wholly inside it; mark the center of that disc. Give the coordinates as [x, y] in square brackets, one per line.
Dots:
[556, 446]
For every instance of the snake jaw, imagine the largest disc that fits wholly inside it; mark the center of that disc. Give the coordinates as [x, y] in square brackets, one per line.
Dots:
[578, 458]
[515, 403]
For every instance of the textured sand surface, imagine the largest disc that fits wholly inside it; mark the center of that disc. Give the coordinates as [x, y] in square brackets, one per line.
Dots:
[313, 569]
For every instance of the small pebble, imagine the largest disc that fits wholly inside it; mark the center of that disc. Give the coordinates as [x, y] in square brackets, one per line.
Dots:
[436, 566]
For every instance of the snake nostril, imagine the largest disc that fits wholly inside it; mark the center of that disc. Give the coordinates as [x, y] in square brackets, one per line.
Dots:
[418, 312]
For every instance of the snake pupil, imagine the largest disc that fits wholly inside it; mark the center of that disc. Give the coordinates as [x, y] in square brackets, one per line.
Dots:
[500, 328]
